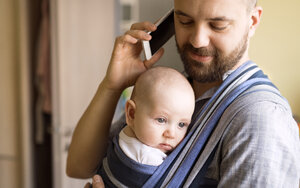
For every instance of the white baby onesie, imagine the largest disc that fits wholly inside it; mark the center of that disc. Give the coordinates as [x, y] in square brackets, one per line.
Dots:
[140, 152]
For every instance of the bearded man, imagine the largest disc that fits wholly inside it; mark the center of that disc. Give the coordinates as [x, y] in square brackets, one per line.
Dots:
[250, 141]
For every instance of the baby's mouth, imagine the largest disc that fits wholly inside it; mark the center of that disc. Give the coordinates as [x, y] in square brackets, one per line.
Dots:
[165, 147]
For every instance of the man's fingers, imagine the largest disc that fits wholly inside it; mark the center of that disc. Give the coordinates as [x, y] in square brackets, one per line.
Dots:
[149, 63]
[138, 34]
[87, 185]
[123, 39]
[148, 26]
[98, 182]
[132, 37]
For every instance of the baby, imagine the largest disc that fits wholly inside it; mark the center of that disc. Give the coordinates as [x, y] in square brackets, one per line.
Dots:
[157, 118]
[157, 115]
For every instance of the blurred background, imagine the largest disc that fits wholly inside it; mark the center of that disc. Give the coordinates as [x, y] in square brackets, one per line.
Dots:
[54, 53]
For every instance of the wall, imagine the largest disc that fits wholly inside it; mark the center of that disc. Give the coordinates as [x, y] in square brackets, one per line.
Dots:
[82, 41]
[275, 47]
[9, 113]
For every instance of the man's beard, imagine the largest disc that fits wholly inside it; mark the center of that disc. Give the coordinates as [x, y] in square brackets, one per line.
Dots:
[214, 70]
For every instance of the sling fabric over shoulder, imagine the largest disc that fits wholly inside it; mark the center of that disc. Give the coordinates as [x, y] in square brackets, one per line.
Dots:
[181, 167]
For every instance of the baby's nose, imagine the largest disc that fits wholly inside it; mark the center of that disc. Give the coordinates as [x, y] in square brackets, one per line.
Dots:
[169, 132]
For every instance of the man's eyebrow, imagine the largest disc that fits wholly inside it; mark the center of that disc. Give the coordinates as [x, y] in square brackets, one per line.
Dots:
[180, 13]
[222, 18]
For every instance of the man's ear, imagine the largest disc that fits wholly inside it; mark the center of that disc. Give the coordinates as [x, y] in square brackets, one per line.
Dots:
[255, 19]
[130, 112]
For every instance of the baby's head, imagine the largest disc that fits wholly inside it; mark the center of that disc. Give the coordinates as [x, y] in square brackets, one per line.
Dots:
[160, 108]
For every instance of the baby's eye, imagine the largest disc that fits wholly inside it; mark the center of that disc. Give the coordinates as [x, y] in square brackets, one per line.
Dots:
[161, 120]
[181, 124]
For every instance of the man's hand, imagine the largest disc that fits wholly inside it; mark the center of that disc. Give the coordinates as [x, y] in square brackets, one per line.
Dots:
[97, 182]
[125, 63]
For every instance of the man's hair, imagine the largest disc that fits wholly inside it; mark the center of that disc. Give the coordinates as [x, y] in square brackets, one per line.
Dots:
[250, 4]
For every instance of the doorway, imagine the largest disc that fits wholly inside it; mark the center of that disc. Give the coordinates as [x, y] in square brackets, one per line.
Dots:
[41, 98]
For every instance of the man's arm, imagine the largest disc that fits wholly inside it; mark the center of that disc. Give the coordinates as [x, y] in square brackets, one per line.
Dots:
[89, 141]
[91, 134]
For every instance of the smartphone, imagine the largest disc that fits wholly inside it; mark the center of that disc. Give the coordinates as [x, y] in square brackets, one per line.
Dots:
[165, 30]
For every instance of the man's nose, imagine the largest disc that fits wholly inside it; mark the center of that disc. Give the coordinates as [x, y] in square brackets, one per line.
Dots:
[199, 37]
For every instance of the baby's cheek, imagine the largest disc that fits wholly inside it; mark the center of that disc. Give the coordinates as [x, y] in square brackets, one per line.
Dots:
[181, 137]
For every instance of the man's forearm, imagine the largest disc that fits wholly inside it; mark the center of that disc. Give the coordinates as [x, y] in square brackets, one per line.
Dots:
[90, 137]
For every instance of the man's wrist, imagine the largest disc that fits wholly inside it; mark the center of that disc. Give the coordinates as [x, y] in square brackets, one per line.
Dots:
[107, 86]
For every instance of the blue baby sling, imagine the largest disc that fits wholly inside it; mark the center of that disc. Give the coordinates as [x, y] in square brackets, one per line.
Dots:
[189, 159]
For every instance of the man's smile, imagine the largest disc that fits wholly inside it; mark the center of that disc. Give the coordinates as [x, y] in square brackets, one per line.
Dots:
[200, 58]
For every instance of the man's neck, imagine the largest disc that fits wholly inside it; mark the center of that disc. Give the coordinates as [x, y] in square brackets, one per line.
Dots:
[201, 88]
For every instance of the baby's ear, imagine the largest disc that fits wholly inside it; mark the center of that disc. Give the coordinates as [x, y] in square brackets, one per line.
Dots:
[130, 111]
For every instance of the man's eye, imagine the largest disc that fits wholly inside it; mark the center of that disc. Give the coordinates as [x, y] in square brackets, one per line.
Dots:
[218, 27]
[181, 125]
[185, 22]
[161, 120]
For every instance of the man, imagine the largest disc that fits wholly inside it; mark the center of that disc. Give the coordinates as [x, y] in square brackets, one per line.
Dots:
[260, 144]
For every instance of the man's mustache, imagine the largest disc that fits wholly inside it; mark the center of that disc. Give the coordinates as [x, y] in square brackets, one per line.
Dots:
[203, 51]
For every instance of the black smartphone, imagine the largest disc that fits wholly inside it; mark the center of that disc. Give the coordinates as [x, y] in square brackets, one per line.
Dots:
[165, 30]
